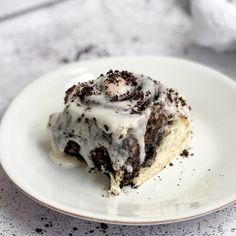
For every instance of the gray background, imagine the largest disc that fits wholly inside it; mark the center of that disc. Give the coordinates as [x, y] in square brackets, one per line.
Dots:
[39, 36]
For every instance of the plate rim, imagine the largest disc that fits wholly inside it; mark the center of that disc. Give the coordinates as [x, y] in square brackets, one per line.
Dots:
[138, 221]
[118, 222]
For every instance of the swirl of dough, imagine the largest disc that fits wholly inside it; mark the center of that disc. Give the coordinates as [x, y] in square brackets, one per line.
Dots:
[122, 91]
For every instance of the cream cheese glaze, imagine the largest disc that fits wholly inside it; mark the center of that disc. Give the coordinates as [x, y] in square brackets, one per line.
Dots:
[110, 109]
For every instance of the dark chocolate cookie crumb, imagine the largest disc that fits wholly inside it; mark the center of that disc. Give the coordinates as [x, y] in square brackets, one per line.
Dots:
[185, 153]
[106, 127]
[171, 164]
[68, 92]
[38, 230]
[104, 226]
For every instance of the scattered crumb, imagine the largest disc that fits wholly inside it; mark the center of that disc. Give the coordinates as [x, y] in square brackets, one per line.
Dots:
[209, 169]
[104, 226]
[171, 164]
[38, 230]
[185, 153]
[159, 177]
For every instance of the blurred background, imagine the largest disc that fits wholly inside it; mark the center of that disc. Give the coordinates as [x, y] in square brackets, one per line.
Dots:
[40, 35]
[37, 36]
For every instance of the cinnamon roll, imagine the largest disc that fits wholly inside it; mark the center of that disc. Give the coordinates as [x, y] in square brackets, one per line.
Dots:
[126, 125]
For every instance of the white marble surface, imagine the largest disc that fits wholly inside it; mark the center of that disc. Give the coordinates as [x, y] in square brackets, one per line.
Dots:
[42, 40]
[12, 6]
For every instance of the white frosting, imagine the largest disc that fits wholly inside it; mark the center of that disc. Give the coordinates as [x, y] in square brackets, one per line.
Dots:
[129, 168]
[64, 160]
[97, 120]
[59, 157]
[118, 88]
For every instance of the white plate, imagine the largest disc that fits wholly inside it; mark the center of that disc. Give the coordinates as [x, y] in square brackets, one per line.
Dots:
[186, 190]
